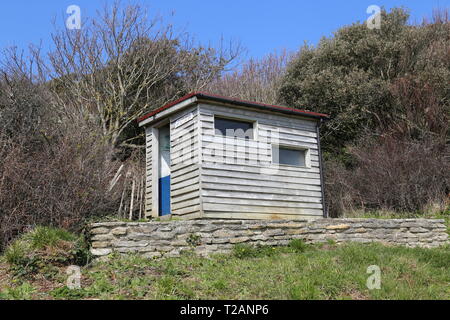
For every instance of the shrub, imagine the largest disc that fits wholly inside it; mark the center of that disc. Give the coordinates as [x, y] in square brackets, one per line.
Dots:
[16, 253]
[43, 249]
[257, 80]
[42, 237]
[390, 174]
[365, 79]
[194, 240]
[386, 144]
[62, 184]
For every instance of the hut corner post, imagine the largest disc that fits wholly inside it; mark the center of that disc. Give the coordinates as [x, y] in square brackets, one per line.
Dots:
[322, 176]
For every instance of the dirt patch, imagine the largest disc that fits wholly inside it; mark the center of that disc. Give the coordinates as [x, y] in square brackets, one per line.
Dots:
[355, 294]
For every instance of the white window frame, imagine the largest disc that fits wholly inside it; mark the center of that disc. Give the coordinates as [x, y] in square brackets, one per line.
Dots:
[240, 119]
[292, 147]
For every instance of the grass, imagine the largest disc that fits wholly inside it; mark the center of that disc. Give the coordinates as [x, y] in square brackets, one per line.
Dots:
[35, 265]
[42, 237]
[298, 271]
[42, 250]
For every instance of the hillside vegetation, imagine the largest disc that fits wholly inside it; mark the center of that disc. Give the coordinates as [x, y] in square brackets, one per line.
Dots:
[387, 91]
[71, 150]
[298, 271]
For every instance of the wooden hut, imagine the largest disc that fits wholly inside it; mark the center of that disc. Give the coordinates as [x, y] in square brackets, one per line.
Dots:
[209, 156]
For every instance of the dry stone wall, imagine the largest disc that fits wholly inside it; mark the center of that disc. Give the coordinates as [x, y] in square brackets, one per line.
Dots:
[156, 239]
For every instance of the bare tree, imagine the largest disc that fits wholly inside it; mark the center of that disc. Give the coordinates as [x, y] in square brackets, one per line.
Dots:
[22, 95]
[51, 172]
[122, 64]
[257, 80]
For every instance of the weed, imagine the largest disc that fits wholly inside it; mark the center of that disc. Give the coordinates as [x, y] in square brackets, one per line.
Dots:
[194, 240]
[69, 294]
[43, 249]
[298, 245]
[42, 237]
[21, 292]
[243, 251]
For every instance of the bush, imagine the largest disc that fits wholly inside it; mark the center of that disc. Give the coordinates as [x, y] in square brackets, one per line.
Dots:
[257, 80]
[43, 249]
[42, 237]
[62, 184]
[386, 144]
[396, 76]
[392, 175]
[17, 252]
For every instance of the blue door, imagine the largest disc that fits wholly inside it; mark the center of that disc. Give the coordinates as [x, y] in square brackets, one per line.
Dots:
[164, 171]
[164, 196]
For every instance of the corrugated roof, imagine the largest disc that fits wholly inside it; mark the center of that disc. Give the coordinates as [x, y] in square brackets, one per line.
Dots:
[211, 97]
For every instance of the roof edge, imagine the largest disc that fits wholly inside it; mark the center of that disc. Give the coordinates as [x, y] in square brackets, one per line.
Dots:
[236, 101]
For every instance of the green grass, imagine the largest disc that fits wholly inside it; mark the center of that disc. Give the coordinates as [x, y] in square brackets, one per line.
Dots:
[42, 249]
[298, 271]
[42, 237]
[24, 291]
[446, 216]
[34, 267]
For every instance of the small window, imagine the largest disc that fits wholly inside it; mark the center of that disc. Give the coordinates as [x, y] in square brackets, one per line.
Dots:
[233, 128]
[289, 156]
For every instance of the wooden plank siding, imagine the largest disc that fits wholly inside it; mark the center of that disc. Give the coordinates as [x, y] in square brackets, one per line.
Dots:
[185, 169]
[148, 164]
[232, 178]
[239, 180]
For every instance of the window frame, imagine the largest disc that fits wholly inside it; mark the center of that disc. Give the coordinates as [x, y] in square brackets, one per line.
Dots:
[237, 119]
[296, 148]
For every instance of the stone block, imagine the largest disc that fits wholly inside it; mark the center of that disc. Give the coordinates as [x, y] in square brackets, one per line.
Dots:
[338, 227]
[121, 231]
[239, 240]
[100, 252]
[418, 230]
[102, 237]
[220, 240]
[100, 244]
[100, 230]
[222, 234]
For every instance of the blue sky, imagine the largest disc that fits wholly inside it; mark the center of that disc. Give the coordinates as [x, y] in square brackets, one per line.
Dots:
[262, 26]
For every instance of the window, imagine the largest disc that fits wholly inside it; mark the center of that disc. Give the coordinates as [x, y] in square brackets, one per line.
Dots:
[289, 156]
[233, 128]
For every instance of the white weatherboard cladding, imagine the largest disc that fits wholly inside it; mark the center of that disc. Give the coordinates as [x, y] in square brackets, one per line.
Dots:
[185, 189]
[148, 180]
[184, 119]
[164, 152]
[238, 178]
[233, 178]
